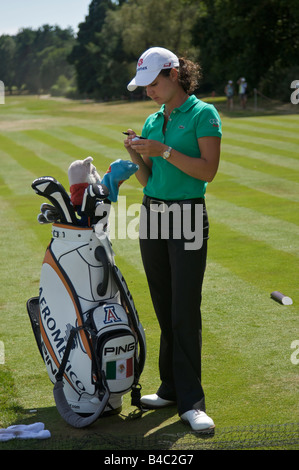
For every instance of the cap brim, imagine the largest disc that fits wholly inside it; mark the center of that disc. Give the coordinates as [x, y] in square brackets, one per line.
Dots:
[132, 86]
[142, 79]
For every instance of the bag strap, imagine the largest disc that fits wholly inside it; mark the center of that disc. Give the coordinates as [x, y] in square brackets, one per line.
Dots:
[133, 315]
[62, 405]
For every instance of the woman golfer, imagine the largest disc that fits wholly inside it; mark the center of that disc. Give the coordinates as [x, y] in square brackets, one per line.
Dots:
[178, 155]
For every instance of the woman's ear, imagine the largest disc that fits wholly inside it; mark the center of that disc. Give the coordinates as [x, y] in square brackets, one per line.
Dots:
[173, 75]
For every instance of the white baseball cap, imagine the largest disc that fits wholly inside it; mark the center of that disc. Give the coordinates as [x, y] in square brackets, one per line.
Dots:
[150, 64]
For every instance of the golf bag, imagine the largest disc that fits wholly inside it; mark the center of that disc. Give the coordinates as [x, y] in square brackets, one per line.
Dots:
[84, 319]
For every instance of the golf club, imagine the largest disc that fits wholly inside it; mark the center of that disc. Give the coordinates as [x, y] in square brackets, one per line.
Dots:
[93, 195]
[50, 188]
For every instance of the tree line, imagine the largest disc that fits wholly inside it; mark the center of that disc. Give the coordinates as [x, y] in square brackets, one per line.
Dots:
[257, 39]
[34, 60]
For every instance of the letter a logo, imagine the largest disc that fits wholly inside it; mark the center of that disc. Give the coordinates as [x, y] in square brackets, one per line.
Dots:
[110, 315]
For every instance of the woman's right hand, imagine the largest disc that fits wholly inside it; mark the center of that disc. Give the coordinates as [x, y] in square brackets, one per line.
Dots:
[144, 164]
[128, 140]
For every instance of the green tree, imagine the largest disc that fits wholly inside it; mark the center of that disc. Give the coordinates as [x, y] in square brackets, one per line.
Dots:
[248, 38]
[148, 23]
[86, 55]
[25, 60]
[35, 54]
[55, 64]
[61, 87]
[111, 66]
[107, 49]
[7, 53]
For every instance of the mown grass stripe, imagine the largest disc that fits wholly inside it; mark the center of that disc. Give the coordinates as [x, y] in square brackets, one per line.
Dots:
[262, 364]
[243, 298]
[55, 155]
[45, 152]
[104, 131]
[252, 260]
[92, 148]
[28, 159]
[255, 130]
[15, 176]
[272, 159]
[102, 136]
[60, 144]
[85, 146]
[260, 128]
[63, 151]
[228, 189]
[261, 181]
[25, 204]
[21, 257]
[74, 151]
[238, 156]
[5, 190]
[279, 122]
[253, 143]
[290, 118]
[279, 235]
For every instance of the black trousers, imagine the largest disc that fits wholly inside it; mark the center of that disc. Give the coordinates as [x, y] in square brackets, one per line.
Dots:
[175, 276]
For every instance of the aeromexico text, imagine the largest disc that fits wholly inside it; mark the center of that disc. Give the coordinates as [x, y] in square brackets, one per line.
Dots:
[173, 220]
[58, 340]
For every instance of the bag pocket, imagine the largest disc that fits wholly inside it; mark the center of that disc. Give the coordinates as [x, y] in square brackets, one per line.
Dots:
[116, 353]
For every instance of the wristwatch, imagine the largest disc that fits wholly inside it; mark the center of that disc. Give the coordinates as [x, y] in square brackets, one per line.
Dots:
[166, 154]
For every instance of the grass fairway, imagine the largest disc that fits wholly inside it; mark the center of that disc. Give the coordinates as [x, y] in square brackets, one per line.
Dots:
[250, 360]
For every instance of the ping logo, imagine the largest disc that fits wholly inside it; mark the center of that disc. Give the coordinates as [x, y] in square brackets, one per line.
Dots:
[110, 315]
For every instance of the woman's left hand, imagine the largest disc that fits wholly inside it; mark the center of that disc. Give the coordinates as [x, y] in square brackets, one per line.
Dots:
[203, 168]
[148, 147]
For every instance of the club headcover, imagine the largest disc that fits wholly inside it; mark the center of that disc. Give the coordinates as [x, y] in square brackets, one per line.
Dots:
[81, 173]
[117, 173]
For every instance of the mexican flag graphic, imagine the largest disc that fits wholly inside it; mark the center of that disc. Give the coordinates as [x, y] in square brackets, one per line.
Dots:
[120, 369]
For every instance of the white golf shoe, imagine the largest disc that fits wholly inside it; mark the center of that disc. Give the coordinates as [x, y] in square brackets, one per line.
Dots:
[154, 401]
[198, 420]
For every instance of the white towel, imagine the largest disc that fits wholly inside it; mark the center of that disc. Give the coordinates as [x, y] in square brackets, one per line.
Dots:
[24, 431]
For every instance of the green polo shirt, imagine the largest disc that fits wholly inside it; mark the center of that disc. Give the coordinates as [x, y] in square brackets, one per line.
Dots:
[192, 120]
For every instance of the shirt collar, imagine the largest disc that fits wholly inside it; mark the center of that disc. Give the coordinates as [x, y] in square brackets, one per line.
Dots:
[191, 101]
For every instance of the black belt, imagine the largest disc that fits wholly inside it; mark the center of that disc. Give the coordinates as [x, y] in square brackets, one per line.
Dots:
[149, 201]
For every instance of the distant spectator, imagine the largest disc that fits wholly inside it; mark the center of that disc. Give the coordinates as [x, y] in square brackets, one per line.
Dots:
[242, 92]
[229, 92]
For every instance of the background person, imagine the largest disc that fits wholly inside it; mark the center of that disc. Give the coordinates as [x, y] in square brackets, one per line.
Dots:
[242, 92]
[179, 155]
[229, 92]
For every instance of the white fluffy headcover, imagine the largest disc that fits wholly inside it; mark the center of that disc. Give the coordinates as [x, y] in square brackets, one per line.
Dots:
[83, 171]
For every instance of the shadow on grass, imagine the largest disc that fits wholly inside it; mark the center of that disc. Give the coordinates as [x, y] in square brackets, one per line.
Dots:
[151, 430]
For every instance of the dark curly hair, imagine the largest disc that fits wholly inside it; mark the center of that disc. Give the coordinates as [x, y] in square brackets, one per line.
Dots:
[189, 74]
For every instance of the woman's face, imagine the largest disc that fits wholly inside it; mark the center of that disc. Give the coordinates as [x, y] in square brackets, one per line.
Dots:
[163, 88]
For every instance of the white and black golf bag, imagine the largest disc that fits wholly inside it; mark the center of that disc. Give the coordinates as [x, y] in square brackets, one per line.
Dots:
[84, 319]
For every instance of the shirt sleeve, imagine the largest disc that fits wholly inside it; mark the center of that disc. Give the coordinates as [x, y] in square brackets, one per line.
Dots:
[144, 132]
[208, 123]
[149, 124]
